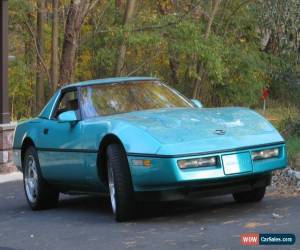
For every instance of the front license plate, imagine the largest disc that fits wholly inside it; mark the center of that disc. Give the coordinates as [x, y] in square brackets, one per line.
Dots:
[237, 163]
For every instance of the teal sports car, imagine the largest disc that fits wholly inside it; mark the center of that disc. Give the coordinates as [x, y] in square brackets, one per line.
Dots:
[137, 139]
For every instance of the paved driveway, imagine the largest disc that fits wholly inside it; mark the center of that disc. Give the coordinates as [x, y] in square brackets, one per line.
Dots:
[86, 223]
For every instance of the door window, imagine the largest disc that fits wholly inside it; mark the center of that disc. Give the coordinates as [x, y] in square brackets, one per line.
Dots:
[68, 102]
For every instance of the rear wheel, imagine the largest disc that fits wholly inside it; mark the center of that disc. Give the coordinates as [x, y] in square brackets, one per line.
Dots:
[254, 195]
[120, 183]
[38, 193]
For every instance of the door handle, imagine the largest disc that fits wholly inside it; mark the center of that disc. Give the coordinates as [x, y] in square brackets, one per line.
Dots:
[46, 130]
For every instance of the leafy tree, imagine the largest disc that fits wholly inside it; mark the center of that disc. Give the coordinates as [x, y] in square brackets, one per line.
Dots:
[221, 51]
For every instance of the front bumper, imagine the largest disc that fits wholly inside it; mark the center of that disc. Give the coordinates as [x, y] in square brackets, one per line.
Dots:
[164, 173]
[220, 186]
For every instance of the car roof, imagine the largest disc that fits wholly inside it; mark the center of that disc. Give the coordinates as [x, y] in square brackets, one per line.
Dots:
[109, 81]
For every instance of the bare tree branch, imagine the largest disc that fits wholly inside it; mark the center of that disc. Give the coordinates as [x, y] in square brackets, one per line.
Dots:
[233, 12]
[161, 26]
[36, 49]
[144, 63]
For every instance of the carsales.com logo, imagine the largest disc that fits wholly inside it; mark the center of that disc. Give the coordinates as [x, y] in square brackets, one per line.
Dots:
[255, 239]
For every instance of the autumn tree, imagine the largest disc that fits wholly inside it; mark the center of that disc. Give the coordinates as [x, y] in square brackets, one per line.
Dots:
[40, 88]
[54, 46]
[120, 62]
[200, 64]
[221, 51]
[77, 13]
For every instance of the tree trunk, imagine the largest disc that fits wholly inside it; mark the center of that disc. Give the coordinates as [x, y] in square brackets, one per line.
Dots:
[118, 7]
[165, 8]
[174, 65]
[30, 61]
[72, 30]
[78, 11]
[119, 68]
[200, 65]
[40, 88]
[54, 47]
[29, 44]
[211, 18]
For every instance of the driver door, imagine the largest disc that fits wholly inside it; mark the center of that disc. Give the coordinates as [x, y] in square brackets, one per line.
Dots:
[60, 154]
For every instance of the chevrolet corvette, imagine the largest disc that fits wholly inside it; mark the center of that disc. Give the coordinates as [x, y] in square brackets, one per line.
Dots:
[137, 139]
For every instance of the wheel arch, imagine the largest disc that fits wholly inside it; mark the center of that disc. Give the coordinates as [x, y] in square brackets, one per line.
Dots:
[25, 144]
[102, 159]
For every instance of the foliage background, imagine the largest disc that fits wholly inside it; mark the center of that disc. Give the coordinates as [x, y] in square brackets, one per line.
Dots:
[251, 44]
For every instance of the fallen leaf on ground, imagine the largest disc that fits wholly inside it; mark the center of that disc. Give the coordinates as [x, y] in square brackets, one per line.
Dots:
[277, 216]
[230, 222]
[255, 224]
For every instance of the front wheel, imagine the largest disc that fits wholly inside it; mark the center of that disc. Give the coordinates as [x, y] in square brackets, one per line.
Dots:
[38, 193]
[120, 183]
[254, 195]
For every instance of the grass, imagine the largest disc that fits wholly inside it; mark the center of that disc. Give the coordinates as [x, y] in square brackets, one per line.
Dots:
[293, 149]
[285, 119]
[278, 114]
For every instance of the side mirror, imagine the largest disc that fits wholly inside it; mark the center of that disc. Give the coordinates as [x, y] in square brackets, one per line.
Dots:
[68, 116]
[197, 103]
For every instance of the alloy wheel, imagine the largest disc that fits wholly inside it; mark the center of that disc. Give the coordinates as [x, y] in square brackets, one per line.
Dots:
[112, 190]
[31, 179]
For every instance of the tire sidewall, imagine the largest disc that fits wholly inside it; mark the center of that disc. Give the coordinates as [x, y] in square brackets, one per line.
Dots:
[255, 195]
[124, 194]
[31, 151]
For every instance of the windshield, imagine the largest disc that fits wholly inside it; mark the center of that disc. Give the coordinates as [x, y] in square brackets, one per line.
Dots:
[109, 99]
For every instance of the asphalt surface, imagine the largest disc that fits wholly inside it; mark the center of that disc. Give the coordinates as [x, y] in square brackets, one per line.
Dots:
[83, 222]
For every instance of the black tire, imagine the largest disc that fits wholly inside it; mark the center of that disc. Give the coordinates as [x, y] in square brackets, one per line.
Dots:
[117, 165]
[44, 196]
[254, 195]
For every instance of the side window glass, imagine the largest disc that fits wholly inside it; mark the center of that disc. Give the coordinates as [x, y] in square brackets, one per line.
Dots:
[68, 102]
[87, 103]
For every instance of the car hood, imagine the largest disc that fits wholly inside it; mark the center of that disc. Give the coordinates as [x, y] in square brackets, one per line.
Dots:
[186, 130]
